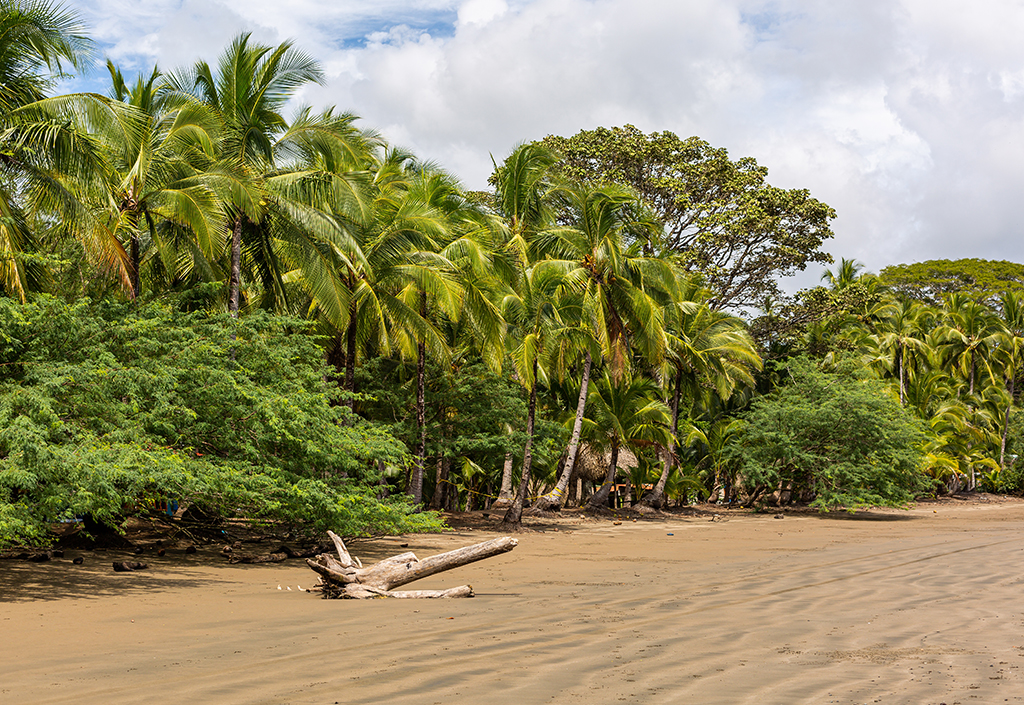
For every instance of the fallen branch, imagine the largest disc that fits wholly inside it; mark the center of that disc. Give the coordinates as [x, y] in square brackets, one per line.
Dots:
[345, 575]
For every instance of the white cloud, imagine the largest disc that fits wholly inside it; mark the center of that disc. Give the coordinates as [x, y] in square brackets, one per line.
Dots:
[905, 116]
[480, 12]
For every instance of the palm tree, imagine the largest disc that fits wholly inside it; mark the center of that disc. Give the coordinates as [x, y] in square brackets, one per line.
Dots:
[159, 177]
[706, 348]
[448, 270]
[1010, 353]
[534, 307]
[616, 286]
[417, 255]
[49, 155]
[540, 312]
[279, 181]
[846, 274]
[968, 334]
[899, 337]
[715, 457]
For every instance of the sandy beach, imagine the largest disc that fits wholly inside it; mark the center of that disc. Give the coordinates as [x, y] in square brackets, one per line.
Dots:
[918, 606]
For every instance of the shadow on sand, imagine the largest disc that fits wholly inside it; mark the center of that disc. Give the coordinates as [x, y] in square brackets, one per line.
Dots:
[60, 578]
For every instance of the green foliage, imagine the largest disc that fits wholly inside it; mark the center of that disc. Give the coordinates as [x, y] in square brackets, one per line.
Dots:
[811, 321]
[475, 416]
[721, 216]
[929, 282]
[104, 407]
[840, 439]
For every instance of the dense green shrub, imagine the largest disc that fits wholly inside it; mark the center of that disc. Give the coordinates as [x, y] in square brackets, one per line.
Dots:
[840, 438]
[105, 407]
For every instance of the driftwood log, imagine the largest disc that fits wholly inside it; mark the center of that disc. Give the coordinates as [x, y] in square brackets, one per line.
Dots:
[345, 575]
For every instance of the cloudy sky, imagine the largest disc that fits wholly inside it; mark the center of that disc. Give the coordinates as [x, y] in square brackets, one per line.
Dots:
[906, 116]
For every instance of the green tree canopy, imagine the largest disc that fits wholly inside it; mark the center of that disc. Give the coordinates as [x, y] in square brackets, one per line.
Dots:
[721, 216]
[930, 281]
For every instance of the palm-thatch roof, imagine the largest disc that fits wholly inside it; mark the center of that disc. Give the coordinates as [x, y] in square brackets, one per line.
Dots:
[592, 464]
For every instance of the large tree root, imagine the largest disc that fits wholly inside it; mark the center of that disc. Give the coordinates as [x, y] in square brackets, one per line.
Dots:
[345, 575]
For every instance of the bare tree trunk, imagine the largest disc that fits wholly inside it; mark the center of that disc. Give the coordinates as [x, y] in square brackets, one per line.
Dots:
[513, 520]
[600, 497]
[656, 498]
[235, 277]
[553, 500]
[345, 575]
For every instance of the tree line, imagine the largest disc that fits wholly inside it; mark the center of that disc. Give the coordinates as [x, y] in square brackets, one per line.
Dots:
[293, 320]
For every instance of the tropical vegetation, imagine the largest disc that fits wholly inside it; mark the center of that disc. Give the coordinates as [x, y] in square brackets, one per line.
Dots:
[283, 319]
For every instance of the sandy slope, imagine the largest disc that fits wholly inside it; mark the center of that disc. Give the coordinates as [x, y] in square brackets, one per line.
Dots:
[891, 607]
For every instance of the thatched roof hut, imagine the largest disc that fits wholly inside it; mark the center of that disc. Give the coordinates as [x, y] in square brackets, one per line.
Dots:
[592, 464]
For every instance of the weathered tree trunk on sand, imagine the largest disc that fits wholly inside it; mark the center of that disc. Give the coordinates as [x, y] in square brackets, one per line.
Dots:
[345, 575]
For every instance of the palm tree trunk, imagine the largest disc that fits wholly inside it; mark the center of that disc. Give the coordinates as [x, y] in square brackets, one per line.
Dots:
[235, 278]
[513, 520]
[136, 264]
[1006, 425]
[899, 364]
[350, 357]
[553, 500]
[600, 498]
[416, 481]
[440, 498]
[972, 372]
[505, 494]
[656, 498]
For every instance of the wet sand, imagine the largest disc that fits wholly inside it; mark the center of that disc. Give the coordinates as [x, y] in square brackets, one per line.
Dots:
[922, 606]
